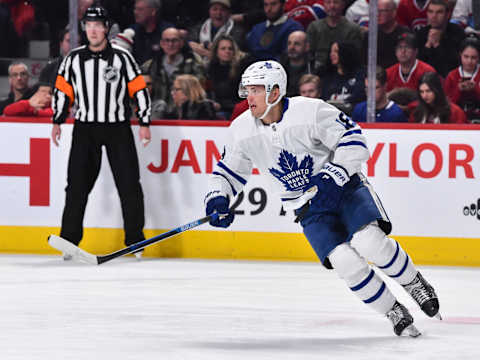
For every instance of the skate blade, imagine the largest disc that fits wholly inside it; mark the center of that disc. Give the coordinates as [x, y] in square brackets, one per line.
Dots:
[411, 331]
[438, 316]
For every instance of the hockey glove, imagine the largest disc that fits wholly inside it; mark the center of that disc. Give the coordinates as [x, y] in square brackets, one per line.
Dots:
[220, 205]
[330, 182]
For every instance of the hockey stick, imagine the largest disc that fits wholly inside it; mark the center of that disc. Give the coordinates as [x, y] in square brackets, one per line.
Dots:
[68, 248]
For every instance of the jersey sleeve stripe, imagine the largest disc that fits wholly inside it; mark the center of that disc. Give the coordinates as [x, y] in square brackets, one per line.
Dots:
[231, 173]
[135, 85]
[351, 132]
[352, 143]
[229, 183]
[62, 85]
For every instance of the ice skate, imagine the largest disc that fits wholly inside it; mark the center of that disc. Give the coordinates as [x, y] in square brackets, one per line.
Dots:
[402, 321]
[424, 294]
[66, 257]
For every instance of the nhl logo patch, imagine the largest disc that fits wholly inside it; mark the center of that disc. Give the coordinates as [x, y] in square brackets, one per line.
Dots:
[110, 74]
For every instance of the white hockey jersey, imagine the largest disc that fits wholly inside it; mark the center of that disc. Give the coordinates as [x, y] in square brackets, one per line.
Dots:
[289, 152]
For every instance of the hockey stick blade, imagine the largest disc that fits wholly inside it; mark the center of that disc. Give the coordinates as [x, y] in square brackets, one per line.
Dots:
[79, 254]
[68, 248]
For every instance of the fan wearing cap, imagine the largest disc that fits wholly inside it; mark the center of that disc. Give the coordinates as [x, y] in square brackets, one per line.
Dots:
[312, 155]
[219, 23]
[101, 79]
[408, 71]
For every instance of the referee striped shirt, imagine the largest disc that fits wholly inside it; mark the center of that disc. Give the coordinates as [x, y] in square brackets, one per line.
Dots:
[101, 84]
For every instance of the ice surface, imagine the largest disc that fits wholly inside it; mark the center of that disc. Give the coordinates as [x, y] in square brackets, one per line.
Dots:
[193, 309]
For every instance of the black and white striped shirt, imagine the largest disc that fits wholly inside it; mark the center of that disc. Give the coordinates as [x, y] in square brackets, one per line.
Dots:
[101, 84]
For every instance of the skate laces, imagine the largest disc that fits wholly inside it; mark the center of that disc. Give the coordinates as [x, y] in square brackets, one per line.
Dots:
[420, 290]
[397, 313]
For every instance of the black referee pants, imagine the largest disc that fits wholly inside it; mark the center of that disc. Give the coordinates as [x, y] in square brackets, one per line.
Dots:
[83, 168]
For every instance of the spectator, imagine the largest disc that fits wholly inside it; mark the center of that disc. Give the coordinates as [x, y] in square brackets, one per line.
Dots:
[38, 105]
[224, 72]
[310, 86]
[408, 70]
[171, 60]
[463, 16]
[268, 40]
[190, 100]
[125, 39]
[439, 41]
[357, 13]
[148, 29]
[218, 23]
[412, 13]
[385, 110]
[18, 78]
[462, 85]
[343, 81]
[297, 62]
[335, 27]
[49, 72]
[433, 106]
[305, 11]
[388, 32]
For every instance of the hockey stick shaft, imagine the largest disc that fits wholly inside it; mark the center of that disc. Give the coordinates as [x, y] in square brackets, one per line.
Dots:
[69, 248]
[144, 243]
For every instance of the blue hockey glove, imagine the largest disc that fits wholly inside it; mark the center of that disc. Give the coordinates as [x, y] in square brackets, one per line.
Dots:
[220, 205]
[330, 182]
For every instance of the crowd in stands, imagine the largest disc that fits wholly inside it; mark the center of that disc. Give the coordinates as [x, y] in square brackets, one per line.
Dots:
[192, 54]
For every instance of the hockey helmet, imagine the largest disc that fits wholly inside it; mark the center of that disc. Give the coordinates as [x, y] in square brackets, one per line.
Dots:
[96, 13]
[269, 74]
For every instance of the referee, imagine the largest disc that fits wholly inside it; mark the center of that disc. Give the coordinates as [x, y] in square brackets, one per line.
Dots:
[100, 79]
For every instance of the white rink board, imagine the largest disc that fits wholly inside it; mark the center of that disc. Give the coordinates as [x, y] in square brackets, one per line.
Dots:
[417, 206]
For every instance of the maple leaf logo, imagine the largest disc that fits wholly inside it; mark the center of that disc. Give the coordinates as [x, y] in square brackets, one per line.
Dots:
[292, 175]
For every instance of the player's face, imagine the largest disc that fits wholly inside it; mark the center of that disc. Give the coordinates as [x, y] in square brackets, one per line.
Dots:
[219, 14]
[309, 90]
[469, 58]
[436, 16]
[96, 33]
[426, 94]
[65, 44]
[225, 51]
[256, 99]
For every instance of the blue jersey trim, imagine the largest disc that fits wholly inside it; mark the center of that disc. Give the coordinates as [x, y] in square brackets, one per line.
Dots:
[350, 143]
[231, 173]
[285, 107]
[352, 132]
[228, 181]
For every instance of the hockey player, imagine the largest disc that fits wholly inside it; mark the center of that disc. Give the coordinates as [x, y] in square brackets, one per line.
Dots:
[312, 154]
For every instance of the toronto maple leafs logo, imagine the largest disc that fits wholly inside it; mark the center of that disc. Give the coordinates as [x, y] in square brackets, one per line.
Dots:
[292, 175]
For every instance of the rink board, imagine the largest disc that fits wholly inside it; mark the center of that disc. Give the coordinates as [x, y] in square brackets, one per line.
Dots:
[427, 178]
